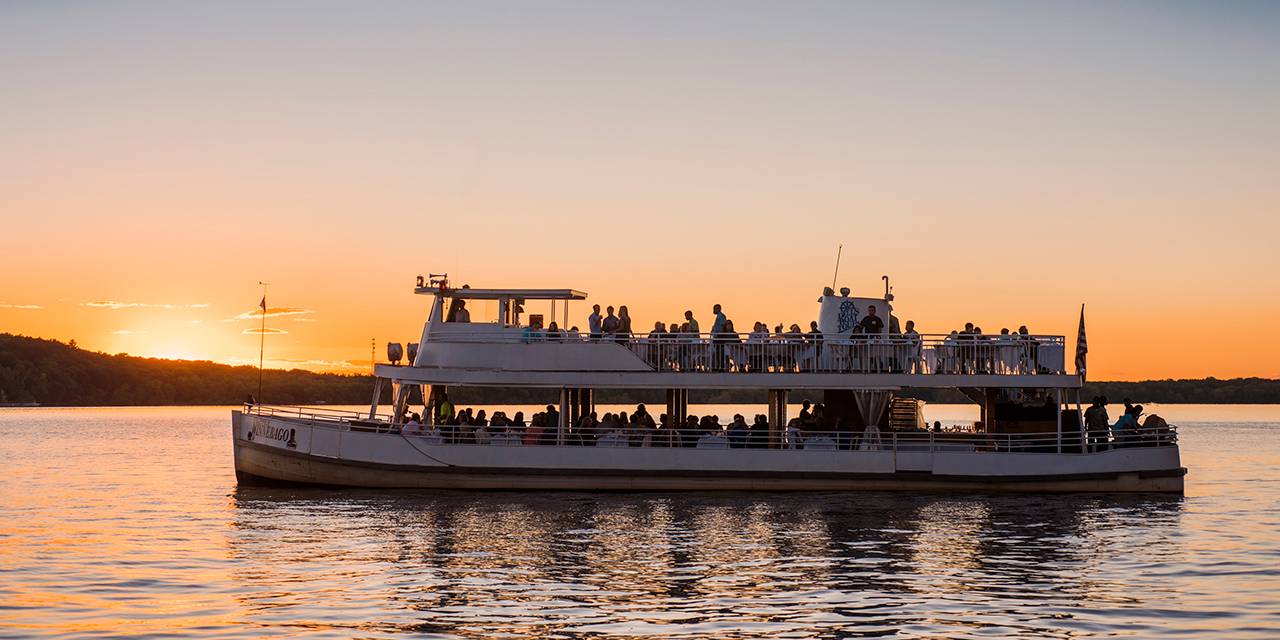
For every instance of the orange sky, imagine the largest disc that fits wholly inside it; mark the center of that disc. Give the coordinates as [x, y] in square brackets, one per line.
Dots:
[1002, 164]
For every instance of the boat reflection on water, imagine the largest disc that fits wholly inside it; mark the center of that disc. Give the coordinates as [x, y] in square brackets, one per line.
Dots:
[728, 564]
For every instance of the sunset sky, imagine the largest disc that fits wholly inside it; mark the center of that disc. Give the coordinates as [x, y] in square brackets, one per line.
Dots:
[1003, 163]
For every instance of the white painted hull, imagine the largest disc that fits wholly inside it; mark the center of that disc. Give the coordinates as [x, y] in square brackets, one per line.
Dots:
[274, 449]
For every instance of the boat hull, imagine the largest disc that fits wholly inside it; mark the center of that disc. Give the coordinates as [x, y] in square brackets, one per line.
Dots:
[271, 450]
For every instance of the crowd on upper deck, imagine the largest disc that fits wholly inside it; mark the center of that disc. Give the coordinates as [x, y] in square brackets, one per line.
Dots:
[874, 344]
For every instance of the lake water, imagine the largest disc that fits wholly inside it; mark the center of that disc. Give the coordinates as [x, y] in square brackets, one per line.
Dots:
[128, 522]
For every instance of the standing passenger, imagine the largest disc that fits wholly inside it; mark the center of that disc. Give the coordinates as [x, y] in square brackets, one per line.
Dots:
[1098, 424]
[693, 324]
[915, 352]
[444, 410]
[610, 323]
[871, 323]
[623, 332]
[593, 322]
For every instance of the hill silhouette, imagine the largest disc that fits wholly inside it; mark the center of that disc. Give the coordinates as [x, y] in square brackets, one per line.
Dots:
[53, 373]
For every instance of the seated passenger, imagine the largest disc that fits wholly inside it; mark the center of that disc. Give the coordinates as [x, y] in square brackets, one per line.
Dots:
[738, 432]
[412, 427]
[533, 432]
[844, 435]
[690, 433]
[608, 426]
[1125, 427]
[587, 429]
[759, 437]
[793, 435]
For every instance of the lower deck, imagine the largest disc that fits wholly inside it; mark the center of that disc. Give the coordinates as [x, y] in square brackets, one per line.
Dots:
[321, 450]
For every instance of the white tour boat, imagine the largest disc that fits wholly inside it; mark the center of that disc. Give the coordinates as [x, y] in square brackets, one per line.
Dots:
[1030, 436]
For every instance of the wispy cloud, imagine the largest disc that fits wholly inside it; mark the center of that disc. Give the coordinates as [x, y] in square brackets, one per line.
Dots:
[199, 306]
[304, 319]
[20, 306]
[195, 322]
[313, 365]
[262, 330]
[125, 332]
[272, 312]
[112, 304]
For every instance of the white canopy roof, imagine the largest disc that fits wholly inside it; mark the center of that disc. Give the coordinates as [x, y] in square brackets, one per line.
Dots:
[496, 294]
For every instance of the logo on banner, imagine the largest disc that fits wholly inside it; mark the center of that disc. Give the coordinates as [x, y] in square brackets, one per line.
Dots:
[848, 317]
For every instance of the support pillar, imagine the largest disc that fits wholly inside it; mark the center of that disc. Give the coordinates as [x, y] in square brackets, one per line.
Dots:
[377, 395]
[1057, 402]
[429, 404]
[400, 402]
[586, 402]
[677, 407]
[684, 404]
[575, 408]
[562, 432]
[777, 416]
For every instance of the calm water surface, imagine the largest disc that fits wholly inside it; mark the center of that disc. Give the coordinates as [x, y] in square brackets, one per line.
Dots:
[129, 522]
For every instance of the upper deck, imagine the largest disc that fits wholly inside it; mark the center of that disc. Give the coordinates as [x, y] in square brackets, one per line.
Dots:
[507, 353]
[488, 355]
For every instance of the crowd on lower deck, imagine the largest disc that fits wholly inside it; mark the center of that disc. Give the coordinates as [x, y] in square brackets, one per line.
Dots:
[638, 428]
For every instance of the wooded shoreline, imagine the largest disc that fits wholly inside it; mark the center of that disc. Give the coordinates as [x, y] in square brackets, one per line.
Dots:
[53, 373]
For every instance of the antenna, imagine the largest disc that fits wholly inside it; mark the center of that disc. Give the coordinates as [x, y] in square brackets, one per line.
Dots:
[887, 296]
[839, 250]
[262, 337]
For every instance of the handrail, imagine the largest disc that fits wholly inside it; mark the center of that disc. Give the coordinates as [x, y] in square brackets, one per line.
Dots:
[811, 352]
[341, 415]
[892, 441]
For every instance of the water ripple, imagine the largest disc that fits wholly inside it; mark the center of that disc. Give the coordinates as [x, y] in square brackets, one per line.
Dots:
[131, 524]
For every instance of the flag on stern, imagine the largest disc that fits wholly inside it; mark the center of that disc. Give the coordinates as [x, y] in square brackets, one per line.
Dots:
[1082, 347]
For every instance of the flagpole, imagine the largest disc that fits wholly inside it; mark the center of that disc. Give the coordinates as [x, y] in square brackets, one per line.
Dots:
[1082, 348]
[262, 342]
[839, 250]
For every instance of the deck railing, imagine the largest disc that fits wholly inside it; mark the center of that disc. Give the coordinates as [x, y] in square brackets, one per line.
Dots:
[869, 440]
[313, 415]
[813, 352]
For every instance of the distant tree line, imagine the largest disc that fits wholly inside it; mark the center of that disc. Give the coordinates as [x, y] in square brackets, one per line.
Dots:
[53, 373]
